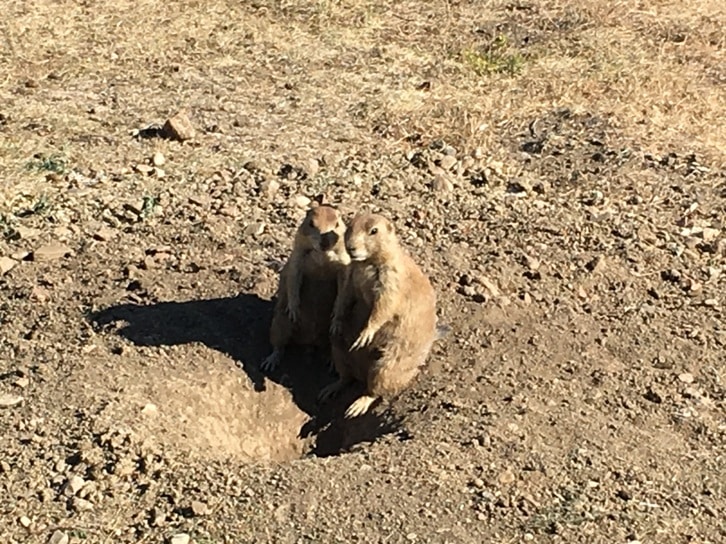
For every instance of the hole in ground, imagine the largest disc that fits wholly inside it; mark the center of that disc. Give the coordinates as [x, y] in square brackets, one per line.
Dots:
[206, 405]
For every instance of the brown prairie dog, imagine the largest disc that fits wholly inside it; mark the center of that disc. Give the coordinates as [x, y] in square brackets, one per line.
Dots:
[384, 320]
[309, 283]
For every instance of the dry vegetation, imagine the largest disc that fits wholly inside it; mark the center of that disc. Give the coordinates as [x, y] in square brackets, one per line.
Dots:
[557, 167]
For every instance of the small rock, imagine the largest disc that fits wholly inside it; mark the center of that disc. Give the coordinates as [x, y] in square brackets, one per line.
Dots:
[74, 484]
[20, 255]
[104, 234]
[624, 494]
[270, 187]
[50, 252]
[6, 265]
[712, 302]
[26, 232]
[507, 477]
[9, 401]
[478, 482]
[199, 508]
[143, 169]
[595, 264]
[653, 396]
[691, 393]
[180, 538]
[199, 200]
[25, 521]
[150, 409]
[39, 294]
[442, 184]
[490, 285]
[447, 162]
[82, 505]
[179, 127]
[254, 229]
[22, 382]
[135, 207]
[158, 159]
[312, 167]
[686, 377]
[58, 537]
[532, 263]
[709, 234]
[301, 201]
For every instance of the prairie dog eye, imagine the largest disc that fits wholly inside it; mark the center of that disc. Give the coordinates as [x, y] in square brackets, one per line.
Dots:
[374, 231]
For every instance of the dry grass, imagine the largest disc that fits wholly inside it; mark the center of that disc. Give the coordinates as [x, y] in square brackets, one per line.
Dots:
[303, 79]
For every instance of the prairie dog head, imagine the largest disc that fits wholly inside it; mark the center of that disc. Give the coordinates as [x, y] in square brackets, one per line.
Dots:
[322, 227]
[370, 237]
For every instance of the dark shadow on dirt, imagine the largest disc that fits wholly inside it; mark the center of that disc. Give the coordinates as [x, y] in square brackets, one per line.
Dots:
[238, 326]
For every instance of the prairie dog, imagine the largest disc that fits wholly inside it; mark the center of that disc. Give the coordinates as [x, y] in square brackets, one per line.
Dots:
[384, 320]
[309, 283]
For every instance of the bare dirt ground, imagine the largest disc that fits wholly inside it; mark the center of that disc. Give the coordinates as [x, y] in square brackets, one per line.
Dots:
[557, 167]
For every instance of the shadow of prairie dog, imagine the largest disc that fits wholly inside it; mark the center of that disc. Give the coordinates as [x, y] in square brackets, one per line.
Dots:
[309, 283]
[384, 321]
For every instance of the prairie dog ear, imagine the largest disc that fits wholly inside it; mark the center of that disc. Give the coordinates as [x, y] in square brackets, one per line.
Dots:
[318, 200]
[391, 226]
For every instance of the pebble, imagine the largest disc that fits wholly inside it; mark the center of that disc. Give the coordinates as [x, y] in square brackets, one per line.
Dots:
[709, 234]
[50, 252]
[58, 537]
[180, 538]
[312, 167]
[686, 377]
[199, 200]
[82, 505]
[270, 187]
[442, 184]
[199, 508]
[507, 477]
[301, 201]
[447, 162]
[74, 484]
[22, 382]
[150, 409]
[25, 521]
[6, 265]
[254, 229]
[104, 234]
[143, 169]
[8, 401]
[179, 127]
[158, 159]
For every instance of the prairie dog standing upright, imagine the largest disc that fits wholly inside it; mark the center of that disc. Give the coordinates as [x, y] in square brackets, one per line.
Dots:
[384, 320]
[309, 283]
